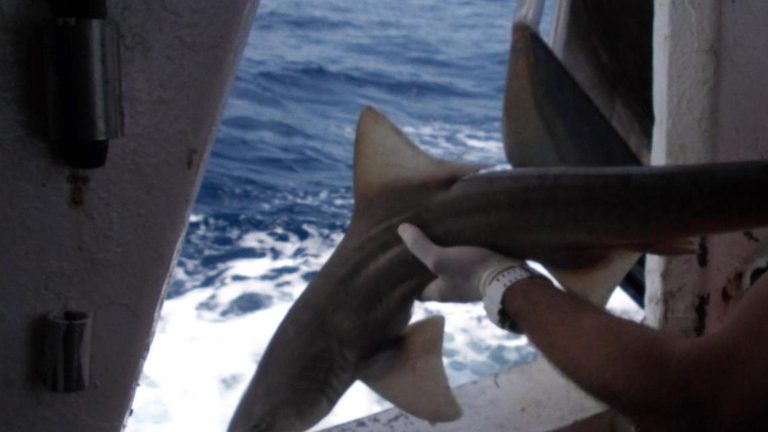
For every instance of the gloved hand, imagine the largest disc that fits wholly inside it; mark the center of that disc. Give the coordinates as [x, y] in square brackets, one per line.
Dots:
[461, 270]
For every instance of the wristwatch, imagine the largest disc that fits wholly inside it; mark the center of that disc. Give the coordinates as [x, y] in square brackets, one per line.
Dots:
[493, 287]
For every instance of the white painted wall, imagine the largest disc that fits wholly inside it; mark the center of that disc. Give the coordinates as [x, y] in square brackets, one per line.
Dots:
[710, 96]
[112, 255]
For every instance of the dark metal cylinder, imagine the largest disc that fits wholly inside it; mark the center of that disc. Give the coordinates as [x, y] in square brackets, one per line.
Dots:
[67, 351]
[84, 97]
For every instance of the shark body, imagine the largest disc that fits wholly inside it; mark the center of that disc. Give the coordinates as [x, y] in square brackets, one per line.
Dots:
[586, 225]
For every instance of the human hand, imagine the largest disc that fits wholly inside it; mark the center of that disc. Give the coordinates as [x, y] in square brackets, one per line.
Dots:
[460, 270]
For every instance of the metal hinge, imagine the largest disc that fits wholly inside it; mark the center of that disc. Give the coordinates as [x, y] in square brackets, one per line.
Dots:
[83, 81]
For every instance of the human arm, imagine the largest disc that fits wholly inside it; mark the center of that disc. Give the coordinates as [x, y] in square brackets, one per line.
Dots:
[626, 365]
[660, 381]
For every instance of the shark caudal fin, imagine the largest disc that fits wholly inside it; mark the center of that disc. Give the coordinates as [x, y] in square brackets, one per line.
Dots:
[411, 375]
[385, 159]
[548, 119]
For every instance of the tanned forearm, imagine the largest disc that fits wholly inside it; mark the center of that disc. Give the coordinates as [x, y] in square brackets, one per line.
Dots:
[623, 363]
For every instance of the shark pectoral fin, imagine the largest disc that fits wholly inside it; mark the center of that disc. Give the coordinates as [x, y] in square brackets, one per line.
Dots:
[411, 376]
[385, 159]
[596, 283]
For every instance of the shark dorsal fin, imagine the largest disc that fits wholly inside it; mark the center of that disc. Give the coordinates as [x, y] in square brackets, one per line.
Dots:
[386, 159]
[412, 376]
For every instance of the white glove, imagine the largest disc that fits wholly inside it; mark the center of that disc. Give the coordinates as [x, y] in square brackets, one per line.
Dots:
[463, 272]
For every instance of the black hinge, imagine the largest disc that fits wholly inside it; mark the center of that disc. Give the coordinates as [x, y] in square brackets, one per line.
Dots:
[83, 84]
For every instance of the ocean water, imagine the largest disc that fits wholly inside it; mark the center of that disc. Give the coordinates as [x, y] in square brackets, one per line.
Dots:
[277, 193]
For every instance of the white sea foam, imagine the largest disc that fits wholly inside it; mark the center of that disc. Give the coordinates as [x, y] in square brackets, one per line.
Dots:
[457, 142]
[197, 369]
[201, 361]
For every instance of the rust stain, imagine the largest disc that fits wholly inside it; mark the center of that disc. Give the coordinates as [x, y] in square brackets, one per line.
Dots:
[726, 293]
[702, 256]
[731, 290]
[191, 154]
[751, 236]
[702, 305]
[79, 185]
[730, 294]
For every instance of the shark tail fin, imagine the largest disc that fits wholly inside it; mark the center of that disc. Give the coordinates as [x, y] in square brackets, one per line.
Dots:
[548, 119]
[597, 282]
[411, 376]
[386, 159]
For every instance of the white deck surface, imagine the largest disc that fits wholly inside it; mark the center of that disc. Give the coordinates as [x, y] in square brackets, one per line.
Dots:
[533, 397]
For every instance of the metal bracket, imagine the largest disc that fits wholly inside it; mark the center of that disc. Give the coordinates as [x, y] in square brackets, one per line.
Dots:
[67, 355]
[83, 81]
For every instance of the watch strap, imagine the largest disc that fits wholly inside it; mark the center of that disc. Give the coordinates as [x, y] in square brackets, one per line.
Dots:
[493, 289]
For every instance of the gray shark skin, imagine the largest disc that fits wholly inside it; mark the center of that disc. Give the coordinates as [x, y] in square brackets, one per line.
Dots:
[350, 322]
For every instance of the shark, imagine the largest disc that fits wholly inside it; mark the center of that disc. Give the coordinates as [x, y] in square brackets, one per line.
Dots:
[548, 119]
[586, 225]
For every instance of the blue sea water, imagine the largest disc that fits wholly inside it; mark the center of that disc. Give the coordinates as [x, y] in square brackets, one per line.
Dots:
[283, 153]
[277, 192]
